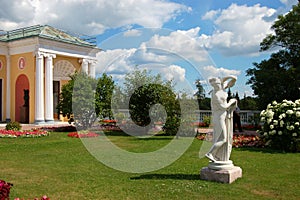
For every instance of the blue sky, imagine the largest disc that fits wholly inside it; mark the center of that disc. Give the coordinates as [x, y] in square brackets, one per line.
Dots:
[180, 39]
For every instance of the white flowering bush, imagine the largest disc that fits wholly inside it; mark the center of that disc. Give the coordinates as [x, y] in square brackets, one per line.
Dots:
[281, 125]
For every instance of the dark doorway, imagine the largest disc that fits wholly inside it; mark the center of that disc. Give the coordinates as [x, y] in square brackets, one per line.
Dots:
[56, 91]
[22, 99]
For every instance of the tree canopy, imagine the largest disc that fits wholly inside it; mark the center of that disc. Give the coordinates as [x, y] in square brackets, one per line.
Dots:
[143, 91]
[104, 91]
[200, 94]
[278, 78]
[83, 99]
[77, 100]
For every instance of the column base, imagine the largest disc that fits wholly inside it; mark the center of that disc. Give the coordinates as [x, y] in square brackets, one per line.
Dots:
[49, 121]
[221, 176]
[37, 121]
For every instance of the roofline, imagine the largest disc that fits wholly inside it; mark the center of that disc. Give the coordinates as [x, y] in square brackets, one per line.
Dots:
[87, 44]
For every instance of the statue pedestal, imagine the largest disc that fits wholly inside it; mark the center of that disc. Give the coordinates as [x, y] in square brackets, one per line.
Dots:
[24, 114]
[223, 175]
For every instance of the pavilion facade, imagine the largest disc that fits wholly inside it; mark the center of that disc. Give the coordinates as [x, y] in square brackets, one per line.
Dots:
[34, 64]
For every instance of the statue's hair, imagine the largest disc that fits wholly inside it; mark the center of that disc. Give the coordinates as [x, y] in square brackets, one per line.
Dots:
[214, 80]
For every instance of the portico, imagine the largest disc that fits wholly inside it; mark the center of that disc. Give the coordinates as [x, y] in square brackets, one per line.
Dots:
[39, 60]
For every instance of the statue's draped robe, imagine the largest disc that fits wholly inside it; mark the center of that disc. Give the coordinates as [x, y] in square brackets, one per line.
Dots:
[222, 121]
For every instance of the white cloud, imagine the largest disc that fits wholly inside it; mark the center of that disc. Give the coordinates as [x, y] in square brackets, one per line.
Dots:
[132, 33]
[88, 16]
[184, 43]
[119, 62]
[16, 11]
[211, 71]
[240, 29]
[289, 2]
[210, 15]
[174, 72]
[150, 55]
[115, 62]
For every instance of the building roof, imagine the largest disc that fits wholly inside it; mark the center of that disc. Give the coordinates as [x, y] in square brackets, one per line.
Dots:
[44, 31]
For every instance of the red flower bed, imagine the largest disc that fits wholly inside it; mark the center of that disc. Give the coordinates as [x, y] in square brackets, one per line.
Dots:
[200, 124]
[25, 133]
[4, 190]
[251, 127]
[42, 198]
[247, 141]
[240, 140]
[111, 128]
[83, 134]
[109, 121]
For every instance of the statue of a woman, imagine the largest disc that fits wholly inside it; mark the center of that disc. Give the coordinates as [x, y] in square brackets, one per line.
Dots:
[222, 112]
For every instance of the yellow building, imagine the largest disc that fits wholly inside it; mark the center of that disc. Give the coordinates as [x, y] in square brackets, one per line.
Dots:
[34, 63]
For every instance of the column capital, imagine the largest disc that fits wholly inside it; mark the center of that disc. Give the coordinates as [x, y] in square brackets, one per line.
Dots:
[50, 55]
[40, 54]
[83, 60]
[94, 62]
[87, 60]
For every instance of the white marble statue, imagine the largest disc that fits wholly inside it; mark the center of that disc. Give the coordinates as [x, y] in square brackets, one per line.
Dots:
[222, 113]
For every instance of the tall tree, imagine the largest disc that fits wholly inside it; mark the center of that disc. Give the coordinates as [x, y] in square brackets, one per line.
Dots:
[200, 93]
[278, 77]
[104, 91]
[229, 94]
[248, 103]
[77, 100]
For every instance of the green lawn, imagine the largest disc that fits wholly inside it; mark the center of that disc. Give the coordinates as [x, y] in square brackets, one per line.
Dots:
[62, 168]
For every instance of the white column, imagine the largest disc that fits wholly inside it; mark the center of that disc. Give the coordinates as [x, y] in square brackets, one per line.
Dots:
[92, 70]
[84, 66]
[49, 88]
[8, 88]
[39, 88]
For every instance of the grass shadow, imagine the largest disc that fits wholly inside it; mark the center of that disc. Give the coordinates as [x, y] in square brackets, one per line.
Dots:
[167, 176]
[113, 133]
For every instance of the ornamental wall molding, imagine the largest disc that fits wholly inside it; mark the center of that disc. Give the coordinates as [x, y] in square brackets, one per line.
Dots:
[62, 70]
[21, 46]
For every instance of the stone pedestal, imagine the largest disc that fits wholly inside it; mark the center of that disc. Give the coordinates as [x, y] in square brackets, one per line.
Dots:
[222, 176]
[24, 114]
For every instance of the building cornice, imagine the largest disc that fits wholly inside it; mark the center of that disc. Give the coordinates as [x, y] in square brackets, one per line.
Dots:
[35, 44]
[68, 48]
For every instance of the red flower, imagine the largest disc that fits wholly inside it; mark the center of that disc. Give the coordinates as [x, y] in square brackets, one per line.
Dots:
[83, 135]
[4, 190]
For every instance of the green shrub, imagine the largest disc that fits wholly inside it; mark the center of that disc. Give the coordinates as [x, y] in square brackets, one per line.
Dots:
[281, 126]
[15, 126]
[206, 120]
[187, 127]
[120, 116]
[172, 125]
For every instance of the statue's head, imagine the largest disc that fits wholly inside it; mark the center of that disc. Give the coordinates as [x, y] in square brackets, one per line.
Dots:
[216, 83]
